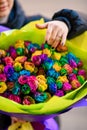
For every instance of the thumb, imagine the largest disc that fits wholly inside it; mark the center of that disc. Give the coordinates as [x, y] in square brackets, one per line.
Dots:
[42, 26]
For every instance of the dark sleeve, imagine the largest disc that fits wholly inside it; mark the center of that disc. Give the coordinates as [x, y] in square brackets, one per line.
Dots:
[5, 121]
[73, 20]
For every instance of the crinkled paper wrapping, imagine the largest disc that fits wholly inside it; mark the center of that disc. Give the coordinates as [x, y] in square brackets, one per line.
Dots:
[56, 105]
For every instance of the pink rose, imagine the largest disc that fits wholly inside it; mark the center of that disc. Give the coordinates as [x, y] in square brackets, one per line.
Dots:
[23, 79]
[2, 77]
[33, 83]
[8, 60]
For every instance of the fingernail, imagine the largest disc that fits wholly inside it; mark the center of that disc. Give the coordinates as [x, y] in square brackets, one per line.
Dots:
[62, 44]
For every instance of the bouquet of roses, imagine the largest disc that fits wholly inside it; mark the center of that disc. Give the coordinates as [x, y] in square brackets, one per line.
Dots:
[36, 80]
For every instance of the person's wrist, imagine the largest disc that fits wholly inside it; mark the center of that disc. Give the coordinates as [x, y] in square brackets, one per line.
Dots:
[64, 20]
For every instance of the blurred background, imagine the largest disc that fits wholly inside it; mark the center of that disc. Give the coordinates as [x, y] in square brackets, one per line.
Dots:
[75, 119]
[48, 7]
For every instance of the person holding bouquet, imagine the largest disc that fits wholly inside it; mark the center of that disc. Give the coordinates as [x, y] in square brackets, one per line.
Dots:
[64, 24]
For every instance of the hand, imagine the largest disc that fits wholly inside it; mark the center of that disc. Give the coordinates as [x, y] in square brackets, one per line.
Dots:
[56, 34]
[15, 120]
[19, 124]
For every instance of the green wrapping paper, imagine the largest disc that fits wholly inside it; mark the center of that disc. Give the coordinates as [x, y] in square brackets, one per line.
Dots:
[78, 46]
[55, 104]
[28, 32]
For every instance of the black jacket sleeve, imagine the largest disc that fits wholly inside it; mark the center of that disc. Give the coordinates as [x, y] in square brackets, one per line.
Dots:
[75, 22]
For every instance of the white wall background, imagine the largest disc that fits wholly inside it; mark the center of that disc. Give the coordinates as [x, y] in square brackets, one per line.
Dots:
[48, 7]
[76, 119]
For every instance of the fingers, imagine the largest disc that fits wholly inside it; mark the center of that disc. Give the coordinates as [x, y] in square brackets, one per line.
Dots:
[56, 43]
[59, 37]
[54, 35]
[14, 120]
[63, 39]
[42, 26]
[49, 34]
[55, 38]
[56, 32]
[49, 30]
